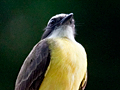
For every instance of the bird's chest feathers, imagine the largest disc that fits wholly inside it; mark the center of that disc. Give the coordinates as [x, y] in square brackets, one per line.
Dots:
[67, 57]
[67, 65]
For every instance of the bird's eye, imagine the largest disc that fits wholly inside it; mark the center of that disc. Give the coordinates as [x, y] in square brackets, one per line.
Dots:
[52, 21]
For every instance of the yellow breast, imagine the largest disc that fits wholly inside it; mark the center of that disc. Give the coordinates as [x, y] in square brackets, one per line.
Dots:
[67, 66]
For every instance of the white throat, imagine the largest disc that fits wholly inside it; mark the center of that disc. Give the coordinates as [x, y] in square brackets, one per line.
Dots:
[63, 32]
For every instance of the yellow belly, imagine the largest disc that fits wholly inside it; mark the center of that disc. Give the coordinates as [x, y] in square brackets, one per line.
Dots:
[67, 67]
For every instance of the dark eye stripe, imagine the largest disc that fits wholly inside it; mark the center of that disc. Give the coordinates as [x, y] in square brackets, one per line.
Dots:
[55, 20]
[52, 21]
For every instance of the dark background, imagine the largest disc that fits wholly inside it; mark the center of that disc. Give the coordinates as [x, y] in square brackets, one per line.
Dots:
[97, 25]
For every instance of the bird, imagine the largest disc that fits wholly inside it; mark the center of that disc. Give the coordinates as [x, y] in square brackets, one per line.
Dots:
[57, 61]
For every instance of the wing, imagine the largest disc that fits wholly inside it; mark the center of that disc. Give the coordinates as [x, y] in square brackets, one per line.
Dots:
[34, 67]
[84, 82]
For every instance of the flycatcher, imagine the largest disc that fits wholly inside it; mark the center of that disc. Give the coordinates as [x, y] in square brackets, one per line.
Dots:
[57, 61]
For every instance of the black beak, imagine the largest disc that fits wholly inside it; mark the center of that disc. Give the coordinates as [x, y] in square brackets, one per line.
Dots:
[66, 19]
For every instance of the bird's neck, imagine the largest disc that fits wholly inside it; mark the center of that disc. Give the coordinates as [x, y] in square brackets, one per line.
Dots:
[63, 32]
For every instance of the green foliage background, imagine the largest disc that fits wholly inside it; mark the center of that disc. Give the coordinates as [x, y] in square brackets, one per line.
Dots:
[97, 25]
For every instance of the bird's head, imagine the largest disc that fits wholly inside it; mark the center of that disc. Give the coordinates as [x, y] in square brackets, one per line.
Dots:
[61, 26]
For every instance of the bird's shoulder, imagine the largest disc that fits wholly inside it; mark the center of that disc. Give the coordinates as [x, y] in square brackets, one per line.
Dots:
[34, 67]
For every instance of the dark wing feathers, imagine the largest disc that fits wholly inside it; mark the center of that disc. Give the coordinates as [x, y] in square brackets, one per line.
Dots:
[34, 67]
[84, 82]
